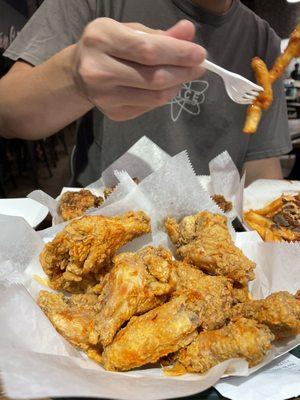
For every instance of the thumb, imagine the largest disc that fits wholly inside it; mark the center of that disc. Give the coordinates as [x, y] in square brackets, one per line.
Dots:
[183, 30]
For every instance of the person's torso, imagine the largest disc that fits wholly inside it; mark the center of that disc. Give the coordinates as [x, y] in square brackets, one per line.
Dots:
[201, 118]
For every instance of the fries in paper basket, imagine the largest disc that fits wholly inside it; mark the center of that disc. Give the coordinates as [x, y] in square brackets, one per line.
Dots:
[278, 221]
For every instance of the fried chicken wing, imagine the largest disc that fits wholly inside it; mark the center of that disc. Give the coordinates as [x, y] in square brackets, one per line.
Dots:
[72, 317]
[155, 334]
[216, 291]
[280, 312]
[243, 338]
[204, 241]
[74, 204]
[77, 257]
[137, 283]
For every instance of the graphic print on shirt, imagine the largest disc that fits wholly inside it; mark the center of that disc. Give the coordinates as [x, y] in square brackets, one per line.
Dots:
[189, 99]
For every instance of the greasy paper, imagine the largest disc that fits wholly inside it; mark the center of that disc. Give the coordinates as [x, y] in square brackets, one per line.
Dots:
[224, 179]
[37, 362]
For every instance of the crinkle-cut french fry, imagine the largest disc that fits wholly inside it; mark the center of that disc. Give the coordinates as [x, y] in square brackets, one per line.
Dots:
[292, 51]
[253, 117]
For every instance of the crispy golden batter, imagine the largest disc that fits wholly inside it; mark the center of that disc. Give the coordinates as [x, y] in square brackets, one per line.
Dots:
[77, 257]
[137, 283]
[240, 294]
[243, 338]
[280, 312]
[225, 205]
[74, 204]
[216, 291]
[144, 307]
[72, 317]
[155, 334]
[204, 240]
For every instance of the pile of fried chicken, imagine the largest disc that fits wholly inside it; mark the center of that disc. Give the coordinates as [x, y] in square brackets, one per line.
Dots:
[129, 309]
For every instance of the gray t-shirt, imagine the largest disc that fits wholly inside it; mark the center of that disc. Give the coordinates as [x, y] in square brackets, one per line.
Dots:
[201, 118]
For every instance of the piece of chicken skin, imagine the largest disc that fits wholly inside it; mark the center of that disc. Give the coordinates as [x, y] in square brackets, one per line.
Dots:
[243, 338]
[137, 283]
[280, 312]
[155, 334]
[216, 291]
[78, 256]
[204, 241]
[72, 317]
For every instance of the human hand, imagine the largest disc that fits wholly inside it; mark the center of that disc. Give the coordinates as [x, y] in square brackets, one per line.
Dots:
[128, 69]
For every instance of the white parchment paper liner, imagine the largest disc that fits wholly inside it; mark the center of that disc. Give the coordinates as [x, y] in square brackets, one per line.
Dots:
[33, 366]
[37, 362]
[225, 180]
[264, 191]
[277, 381]
[139, 161]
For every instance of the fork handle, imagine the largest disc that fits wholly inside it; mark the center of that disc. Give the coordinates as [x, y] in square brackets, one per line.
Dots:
[214, 68]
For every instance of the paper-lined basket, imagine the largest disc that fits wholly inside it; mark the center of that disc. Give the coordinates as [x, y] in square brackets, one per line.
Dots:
[37, 362]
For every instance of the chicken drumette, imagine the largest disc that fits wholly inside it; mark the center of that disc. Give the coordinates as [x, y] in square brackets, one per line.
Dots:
[78, 256]
[204, 241]
[72, 317]
[280, 312]
[137, 283]
[243, 338]
[216, 291]
[74, 204]
[155, 334]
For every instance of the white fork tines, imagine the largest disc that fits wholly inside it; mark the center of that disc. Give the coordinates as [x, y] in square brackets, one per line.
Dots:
[238, 88]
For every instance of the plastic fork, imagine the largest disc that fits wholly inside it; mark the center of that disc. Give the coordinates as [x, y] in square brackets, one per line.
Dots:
[238, 88]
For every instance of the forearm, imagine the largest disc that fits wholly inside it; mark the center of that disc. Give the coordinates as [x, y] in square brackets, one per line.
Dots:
[36, 102]
[268, 168]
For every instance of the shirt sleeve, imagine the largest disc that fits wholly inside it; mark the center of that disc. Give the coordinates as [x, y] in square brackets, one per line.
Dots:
[272, 137]
[55, 25]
